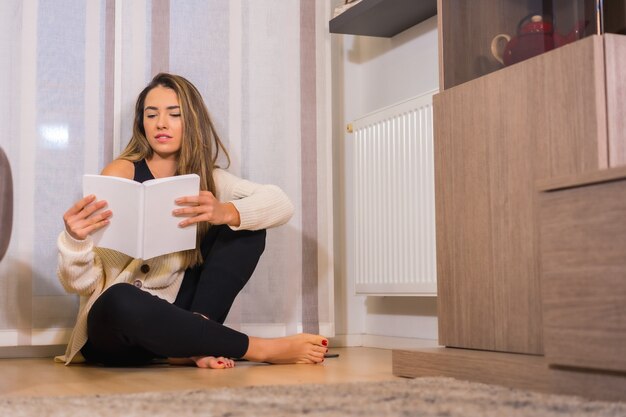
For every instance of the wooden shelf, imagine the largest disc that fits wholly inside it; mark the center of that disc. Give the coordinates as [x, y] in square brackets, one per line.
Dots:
[383, 18]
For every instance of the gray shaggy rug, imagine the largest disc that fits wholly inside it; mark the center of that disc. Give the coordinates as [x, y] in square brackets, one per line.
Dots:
[411, 397]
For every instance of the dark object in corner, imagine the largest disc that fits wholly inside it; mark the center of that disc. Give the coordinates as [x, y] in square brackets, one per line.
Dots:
[6, 203]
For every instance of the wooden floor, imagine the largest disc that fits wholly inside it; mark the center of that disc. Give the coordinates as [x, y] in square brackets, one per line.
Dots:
[44, 377]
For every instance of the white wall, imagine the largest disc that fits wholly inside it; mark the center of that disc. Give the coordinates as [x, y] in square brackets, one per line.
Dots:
[368, 74]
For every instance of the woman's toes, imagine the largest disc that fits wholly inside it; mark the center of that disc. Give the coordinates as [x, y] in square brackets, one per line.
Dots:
[320, 349]
[210, 362]
[226, 362]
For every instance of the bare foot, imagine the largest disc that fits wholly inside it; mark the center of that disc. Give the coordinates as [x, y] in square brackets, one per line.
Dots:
[299, 348]
[207, 362]
[213, 363]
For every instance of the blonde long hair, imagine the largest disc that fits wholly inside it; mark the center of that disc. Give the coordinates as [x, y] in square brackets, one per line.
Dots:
[199, 148]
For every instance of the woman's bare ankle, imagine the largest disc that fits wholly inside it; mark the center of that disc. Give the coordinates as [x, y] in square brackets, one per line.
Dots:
[257, 349]
[181, 361]
[300, 348]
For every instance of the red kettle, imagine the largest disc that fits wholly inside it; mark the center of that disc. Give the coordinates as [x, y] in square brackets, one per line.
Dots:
[535, 35]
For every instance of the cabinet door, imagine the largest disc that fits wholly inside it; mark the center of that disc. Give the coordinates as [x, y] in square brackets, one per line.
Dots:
[473, 35]
[583, 280]
[495, 136]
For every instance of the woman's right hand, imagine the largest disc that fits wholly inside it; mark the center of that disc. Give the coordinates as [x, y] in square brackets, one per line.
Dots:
[80, 220]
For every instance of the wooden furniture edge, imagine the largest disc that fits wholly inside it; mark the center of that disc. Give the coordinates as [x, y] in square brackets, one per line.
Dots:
[442, 84]
[514, 370]
[403, 16]
[579, 180]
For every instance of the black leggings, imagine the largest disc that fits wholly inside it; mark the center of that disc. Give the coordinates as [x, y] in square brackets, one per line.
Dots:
[127, 326]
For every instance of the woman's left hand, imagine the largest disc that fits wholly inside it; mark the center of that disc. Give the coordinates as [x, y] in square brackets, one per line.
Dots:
[206, 208]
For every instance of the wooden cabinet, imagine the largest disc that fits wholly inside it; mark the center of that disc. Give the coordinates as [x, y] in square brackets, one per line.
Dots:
[495, 136]
[558, 114]
[498, 131]
[583, 269]
[467, 30]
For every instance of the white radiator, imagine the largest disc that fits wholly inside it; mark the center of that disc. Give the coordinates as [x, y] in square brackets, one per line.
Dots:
[394, 200]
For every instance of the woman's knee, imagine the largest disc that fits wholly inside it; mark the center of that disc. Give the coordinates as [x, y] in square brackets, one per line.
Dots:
[244, 249]
[238, 244]
[249, 241]
[117, 304]
[253, 241]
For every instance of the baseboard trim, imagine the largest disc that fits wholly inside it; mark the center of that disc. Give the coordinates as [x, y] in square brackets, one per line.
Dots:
[14, 352]
[394, 342]
[346, 340]
[381, 342]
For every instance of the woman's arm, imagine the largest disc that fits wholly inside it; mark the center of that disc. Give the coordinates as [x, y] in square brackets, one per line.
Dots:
[260, 206]
[80, 269]
[241, 204]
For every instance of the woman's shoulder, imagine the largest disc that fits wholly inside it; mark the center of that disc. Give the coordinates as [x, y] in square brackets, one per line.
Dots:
[120, 168]
[221, 175]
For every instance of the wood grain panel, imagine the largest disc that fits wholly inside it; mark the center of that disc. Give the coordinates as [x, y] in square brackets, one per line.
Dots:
[579, 180]
[512, 370]
[615, 53]
[583, 263]
[462, 227]
[43, 377]
[494, 137]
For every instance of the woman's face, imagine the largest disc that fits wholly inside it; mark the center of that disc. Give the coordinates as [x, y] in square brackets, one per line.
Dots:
[162, 122]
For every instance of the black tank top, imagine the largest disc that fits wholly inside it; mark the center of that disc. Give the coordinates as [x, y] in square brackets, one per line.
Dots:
[142, 171]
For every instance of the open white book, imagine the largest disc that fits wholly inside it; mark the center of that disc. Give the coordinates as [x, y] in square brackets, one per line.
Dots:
[142, 224]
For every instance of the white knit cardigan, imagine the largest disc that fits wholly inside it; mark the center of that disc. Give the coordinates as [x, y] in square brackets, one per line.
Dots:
[88, 271]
